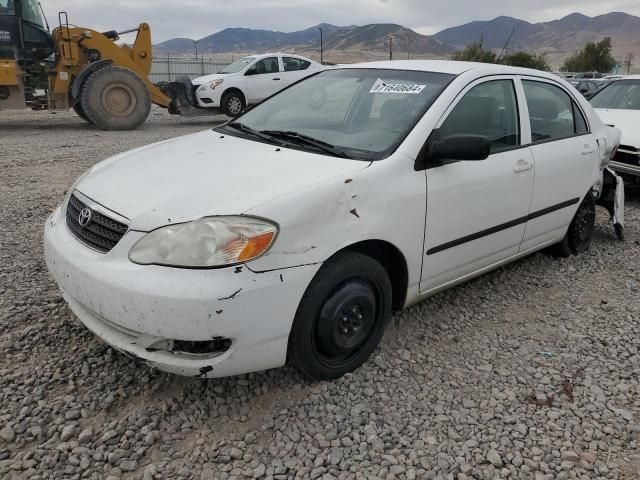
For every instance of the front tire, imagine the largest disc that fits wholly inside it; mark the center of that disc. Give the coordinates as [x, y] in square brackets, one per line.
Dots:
[115, 98]
[580, 233]
[341, 317]
[80, 112]
[232, 104]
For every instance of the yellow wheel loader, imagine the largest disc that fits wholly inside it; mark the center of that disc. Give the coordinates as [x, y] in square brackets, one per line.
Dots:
[75, 68]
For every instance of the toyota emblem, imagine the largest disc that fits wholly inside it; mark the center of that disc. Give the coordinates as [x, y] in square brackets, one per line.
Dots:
[84, 217]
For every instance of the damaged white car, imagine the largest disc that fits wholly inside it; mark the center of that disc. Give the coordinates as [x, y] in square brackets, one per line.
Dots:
[618, 104]
[293, 233]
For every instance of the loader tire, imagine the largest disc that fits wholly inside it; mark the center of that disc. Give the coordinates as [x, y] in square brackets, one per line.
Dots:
[80, 112]
[115, 98]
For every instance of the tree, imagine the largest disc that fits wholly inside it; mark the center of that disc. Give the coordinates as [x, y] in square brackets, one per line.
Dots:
[475, 53]
[527, 60]
[594, 57]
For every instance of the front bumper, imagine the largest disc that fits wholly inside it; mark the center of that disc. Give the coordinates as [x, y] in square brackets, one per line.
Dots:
[134, 308]
[627, 160]
[208, 97]
[625, 168]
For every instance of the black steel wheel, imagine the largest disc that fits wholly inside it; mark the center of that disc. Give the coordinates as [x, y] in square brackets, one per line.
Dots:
[580, 232]
[341, 317]
[583, 224]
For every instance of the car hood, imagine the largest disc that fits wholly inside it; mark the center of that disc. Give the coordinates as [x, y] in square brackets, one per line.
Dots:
[204, 174]
[213, 76]
[627, 121]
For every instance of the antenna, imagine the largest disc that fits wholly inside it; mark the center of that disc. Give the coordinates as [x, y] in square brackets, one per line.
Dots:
[506, 45]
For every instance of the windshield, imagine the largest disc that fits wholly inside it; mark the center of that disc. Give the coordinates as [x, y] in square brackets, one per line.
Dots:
[365, 113]
[622, 95]
[7, 7]
[238, 65]
[31, 12]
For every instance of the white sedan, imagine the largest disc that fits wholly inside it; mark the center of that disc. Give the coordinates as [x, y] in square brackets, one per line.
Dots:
[618, 104]
[293, 233]
[251, 79]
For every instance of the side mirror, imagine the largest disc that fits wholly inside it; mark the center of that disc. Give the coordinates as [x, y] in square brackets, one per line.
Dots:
[451, 149]
[583, 90]
[251, 71]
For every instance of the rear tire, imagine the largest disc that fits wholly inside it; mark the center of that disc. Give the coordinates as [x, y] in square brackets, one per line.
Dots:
[232, 103]
[341, 317]
[580, 233]
[115, 98]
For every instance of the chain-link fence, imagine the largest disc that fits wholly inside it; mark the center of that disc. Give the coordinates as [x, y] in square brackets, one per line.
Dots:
[168, 68]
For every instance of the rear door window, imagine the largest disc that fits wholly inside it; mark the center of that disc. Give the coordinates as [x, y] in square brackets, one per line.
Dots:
[553, 114]
[292, 64]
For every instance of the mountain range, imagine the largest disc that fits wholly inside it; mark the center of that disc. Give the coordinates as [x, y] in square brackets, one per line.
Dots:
[372, 37]
[557, 38]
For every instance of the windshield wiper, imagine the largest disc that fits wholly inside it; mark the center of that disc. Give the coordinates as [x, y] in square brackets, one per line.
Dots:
[307, 140]
[255, 133]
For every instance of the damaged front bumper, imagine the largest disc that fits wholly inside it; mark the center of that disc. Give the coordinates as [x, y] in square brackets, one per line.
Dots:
[209, 322]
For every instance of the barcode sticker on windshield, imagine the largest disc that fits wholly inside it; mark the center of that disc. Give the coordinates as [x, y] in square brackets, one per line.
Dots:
[383, 87]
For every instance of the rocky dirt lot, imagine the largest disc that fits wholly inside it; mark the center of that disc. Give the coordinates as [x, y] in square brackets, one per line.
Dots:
[530, 372]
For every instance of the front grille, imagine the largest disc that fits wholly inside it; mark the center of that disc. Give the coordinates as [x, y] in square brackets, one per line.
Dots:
[628, 155]
[100, 233]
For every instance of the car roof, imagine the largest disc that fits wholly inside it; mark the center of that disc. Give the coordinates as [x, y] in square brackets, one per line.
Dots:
[452, 67]
[275, 54]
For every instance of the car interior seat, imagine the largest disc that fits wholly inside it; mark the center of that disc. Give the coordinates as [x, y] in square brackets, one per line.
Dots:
[546, 121]
[475, 115]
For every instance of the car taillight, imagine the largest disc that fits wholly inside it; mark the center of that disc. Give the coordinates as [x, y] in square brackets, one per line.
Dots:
[614, 153]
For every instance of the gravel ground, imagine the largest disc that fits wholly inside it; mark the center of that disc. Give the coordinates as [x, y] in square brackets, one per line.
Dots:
[530, 372]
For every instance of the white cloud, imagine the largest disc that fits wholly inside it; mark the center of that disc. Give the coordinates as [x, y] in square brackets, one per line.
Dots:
[198, 18]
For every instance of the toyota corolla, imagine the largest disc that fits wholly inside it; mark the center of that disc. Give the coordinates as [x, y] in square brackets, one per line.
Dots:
[293, 232]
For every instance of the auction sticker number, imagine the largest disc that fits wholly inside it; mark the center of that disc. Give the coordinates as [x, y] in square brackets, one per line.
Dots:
[383, 87]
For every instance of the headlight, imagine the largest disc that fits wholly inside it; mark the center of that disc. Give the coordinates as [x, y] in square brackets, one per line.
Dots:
[208, 242]
[214, 83]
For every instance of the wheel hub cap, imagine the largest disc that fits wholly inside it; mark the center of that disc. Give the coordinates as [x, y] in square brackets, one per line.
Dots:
[119, 100]
[346, 320]
[235, 105]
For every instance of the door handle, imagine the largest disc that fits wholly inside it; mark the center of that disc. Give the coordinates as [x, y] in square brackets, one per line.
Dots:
[275, 79]
[522, 166]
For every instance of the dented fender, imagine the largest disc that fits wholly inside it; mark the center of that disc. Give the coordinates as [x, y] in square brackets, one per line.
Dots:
[324, 218]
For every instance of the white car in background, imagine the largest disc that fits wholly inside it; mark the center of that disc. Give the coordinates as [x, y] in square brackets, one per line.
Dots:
[618, 104]
[293, 232]
[251, 79]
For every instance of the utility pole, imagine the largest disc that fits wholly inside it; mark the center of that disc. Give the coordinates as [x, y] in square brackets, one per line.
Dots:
[321, 47]
[628, 62]
[506, 46]
[390, 47]
[195, 44]
[481, 39]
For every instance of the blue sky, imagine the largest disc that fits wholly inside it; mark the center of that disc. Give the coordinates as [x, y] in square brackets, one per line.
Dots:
[198, 18]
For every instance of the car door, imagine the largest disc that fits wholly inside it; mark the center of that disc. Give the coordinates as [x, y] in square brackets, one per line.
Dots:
[476, 210]
[263, 79]
[565, 153]
[294, 69]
